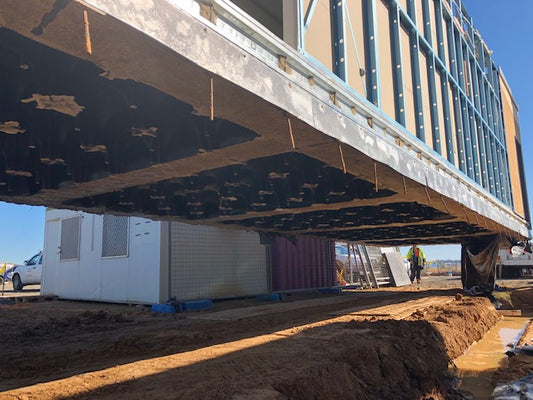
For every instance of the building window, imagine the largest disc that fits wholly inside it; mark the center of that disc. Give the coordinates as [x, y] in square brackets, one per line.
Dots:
[115, 236]
[70, 239]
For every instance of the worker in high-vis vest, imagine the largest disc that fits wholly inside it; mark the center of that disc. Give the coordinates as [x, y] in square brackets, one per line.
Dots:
[417, 259]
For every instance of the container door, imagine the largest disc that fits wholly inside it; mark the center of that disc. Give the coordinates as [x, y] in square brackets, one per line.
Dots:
[50, 260]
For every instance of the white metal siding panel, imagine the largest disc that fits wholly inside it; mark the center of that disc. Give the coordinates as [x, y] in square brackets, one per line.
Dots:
[135, 278]
[209, 262]
[144, 260]
[89, 271]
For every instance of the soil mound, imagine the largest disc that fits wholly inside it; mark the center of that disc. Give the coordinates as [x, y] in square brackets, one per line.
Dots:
[399, 350]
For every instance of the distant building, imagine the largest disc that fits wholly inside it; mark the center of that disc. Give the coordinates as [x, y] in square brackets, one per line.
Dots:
[515, 267]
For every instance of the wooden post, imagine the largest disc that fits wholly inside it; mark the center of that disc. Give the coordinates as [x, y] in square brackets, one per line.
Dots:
[88, 45]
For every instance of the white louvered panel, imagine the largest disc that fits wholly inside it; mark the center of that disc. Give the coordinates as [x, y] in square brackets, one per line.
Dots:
[210, 263]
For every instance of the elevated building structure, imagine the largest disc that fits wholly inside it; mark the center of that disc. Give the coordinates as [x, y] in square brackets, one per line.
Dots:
[378, 121]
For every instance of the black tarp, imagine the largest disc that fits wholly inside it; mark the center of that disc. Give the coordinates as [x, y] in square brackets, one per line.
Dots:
[478, 265]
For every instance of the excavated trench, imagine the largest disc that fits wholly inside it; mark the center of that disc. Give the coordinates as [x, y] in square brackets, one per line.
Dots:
[477, 365]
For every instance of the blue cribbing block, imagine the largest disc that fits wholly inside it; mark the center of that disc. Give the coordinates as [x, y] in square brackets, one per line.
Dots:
[195, 305]
[163, 308]
[269, 297]
[331, 290]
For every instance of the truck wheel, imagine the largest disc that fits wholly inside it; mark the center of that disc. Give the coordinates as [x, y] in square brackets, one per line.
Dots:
[17, 283]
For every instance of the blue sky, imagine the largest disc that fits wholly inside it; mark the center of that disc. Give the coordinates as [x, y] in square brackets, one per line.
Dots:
[505, 27]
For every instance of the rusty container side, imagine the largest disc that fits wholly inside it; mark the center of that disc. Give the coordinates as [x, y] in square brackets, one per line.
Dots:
[302, 263]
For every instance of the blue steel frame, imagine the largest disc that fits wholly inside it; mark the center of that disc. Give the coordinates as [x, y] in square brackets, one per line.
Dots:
[469, 72]
[339, 35]
[371, 52]
[409, 21]
[397, 72]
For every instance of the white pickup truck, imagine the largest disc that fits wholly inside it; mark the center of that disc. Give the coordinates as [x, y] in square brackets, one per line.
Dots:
[28, 274]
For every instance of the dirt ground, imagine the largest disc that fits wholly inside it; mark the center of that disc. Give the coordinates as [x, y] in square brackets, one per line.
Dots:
[393, 343]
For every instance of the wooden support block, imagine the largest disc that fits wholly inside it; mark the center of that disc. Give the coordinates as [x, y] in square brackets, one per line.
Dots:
[283, 64]
[208, 12]
[333, 99]
[510, 313]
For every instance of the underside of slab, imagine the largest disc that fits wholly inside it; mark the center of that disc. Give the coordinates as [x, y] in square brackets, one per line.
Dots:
[136, 127]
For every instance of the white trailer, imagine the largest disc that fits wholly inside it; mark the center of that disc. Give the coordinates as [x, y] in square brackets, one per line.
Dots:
[136, 260]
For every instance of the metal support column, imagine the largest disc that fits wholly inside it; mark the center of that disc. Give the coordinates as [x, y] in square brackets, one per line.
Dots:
[450, 151]
[427, 22]
[339, 35]
[507, 179]
[482, 155]
[394, 22]
[451, 49]
[435, 123]
[494, 152]
[371, 52]
[459, 134]
[417, 86]
[440, 31]
[467, 138]
[475, 85]
[500, 151]
[411, 10]
[490, 164]
[459, 59]
[475, 146]
[490, 113]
